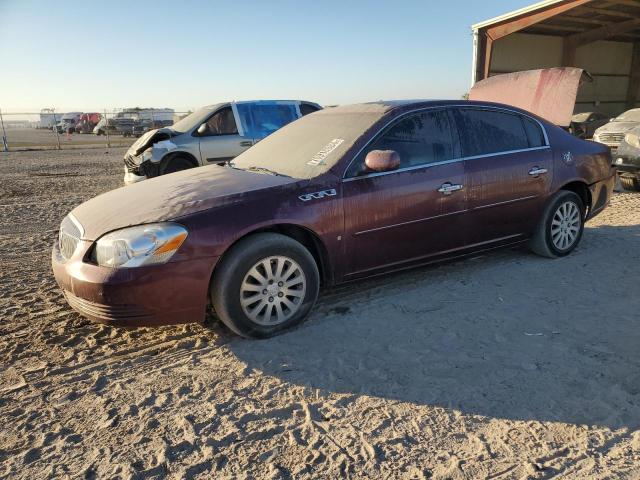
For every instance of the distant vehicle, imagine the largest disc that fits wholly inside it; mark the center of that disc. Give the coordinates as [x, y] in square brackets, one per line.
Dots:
[161, 115]
[115, 126]
[141, 129]
[87, 122]
[48, 118]
[583, 125]
[68, 122]
[613, 132]
[627, 160]
[214, 134]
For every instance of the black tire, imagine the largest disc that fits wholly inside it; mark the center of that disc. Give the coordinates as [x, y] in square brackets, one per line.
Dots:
[227, 281]
[630, 183]
[176, 163]
[542, 241]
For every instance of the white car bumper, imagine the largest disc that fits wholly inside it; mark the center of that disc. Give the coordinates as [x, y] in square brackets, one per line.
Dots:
[130, 178]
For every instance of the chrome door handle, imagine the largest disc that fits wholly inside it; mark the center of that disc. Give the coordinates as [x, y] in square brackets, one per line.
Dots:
[535, 171]
[246, 143]
[448, 188]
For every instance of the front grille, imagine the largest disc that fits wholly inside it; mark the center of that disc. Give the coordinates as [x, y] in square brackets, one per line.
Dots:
[106, 313]
[131, 165]
[68, 238]
[615, 138]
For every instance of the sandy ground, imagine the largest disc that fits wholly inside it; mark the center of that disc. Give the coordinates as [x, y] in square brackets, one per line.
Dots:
[502, 366]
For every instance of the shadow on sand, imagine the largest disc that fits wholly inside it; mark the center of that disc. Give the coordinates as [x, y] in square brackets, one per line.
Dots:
[505, 335]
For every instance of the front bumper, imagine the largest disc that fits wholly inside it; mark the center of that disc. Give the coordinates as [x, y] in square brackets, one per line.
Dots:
[627, 161]
[134, 172]
[172, 293]
[131, 177]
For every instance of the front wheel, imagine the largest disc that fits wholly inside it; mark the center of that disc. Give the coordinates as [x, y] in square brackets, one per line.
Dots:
[265, 284]
[561, 226]
[175, 164]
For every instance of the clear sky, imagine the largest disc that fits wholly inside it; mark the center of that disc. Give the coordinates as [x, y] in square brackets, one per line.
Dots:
[91, 55]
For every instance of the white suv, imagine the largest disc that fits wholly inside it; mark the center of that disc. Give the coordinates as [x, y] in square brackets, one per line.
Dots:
[211, 135]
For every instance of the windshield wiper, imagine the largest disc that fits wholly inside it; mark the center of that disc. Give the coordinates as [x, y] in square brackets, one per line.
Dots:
[265, 170]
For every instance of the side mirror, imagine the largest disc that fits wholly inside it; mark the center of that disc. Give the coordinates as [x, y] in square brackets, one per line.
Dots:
[202, 129]
[382, 160]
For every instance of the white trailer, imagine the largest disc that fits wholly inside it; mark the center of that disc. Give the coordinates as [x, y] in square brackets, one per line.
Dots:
[48, 118]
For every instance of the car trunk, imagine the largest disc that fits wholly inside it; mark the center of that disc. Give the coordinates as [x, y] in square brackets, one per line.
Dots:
[549, 93]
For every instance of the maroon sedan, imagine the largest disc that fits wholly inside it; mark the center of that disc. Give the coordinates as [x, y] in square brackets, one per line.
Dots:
[340, 194]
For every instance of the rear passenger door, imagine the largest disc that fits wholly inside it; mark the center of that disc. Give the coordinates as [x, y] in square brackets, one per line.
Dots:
[509, 170]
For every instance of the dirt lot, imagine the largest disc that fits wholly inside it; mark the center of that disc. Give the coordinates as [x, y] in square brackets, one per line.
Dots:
[502, 366]
[26, 138]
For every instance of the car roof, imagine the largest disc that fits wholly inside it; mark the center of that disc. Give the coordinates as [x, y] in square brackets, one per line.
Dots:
[226, 104]
[382, 107]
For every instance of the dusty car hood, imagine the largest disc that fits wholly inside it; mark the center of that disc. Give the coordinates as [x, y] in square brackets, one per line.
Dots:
[168, 197]
[617, 127]
[549, 93]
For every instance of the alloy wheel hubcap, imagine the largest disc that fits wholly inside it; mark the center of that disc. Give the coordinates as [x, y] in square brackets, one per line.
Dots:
[565, 225]
[273, 290]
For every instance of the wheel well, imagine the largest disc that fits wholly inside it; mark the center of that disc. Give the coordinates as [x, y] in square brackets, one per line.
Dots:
[304, 236]
[580, 189]
[186, 155]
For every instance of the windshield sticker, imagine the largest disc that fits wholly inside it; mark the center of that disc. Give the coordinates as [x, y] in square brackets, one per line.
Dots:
[319, 157]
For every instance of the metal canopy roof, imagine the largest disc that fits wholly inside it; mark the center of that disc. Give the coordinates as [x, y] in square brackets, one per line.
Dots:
[577, 22]
[617, 20]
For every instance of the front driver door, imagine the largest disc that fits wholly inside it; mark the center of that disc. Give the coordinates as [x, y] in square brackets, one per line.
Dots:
[221, 141]
[410, 214]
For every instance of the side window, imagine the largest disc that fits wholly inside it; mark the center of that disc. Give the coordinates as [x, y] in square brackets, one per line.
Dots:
[260, 119]
[419, 139]
[534, 132]
[484, 132]
[269, 118]
[306, 109]
[222, 123]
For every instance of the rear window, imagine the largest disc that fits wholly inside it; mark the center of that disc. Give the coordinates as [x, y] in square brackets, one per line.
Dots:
[483, 132]
[306, 109]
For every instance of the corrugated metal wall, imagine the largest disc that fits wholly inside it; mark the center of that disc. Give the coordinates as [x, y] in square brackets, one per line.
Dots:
[608, 62]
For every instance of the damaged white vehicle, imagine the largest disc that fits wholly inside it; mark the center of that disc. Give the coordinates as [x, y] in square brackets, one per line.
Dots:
[211, 135]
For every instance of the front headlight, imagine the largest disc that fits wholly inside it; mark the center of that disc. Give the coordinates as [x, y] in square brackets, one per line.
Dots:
[632, 139]
[137, 246]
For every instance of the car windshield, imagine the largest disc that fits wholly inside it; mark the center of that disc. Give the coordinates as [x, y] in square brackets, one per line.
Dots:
[192, 120]
[629, 116]
[581, 117]
[309, 146]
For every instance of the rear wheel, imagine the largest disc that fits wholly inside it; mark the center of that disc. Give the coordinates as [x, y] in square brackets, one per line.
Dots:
[561, 226]
[266, 284]
[630, 183]
[176, 164]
